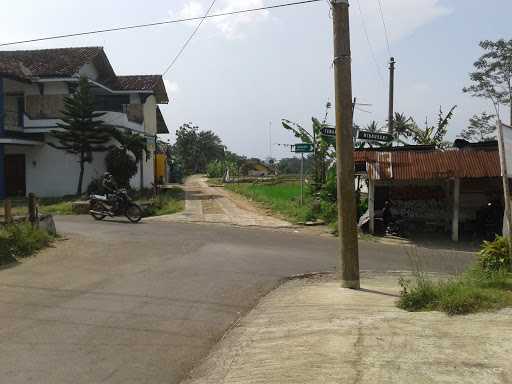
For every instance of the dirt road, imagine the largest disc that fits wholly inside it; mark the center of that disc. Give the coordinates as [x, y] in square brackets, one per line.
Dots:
[215, 205]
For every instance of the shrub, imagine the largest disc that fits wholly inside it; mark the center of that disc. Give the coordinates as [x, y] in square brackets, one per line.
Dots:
[215, 169]
[420, 297]
[21, 240]
[167, 202]
[362, 207]
[328, 211]
[473, 291]
[458, 298]
[494, 255]
[121, 165]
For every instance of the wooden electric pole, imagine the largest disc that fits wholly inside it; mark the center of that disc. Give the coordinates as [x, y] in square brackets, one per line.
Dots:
[391, 95]
[348, 264]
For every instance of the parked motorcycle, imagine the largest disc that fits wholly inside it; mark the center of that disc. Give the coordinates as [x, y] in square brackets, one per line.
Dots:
[118, 203]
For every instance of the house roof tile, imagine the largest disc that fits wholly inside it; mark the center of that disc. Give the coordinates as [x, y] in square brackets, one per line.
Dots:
[46, 62]
[66, 62]
[153, 83]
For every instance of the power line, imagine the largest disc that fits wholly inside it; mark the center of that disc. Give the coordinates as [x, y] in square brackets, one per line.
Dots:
[189, 39]
[370, 44]
[362, 110]
[385, 27]
[175, 21]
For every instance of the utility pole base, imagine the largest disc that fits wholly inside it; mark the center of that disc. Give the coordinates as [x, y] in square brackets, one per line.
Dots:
[350, 284]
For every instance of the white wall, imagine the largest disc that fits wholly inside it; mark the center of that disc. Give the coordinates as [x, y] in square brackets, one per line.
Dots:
[149, 110]
[54, 173]
[149, 171]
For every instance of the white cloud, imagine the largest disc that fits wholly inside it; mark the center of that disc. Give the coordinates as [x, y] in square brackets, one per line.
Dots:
[402, 17]
[421, 87]
[231, 27]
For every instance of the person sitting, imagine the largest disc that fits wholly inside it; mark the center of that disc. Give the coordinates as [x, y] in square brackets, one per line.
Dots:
[387, 216]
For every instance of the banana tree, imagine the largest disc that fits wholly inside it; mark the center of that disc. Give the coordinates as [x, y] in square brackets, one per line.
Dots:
[323, 153]
[433, 134]
[137, 145]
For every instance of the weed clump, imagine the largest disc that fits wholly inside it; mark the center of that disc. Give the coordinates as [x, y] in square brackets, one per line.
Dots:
[21, 240]
[477, 289]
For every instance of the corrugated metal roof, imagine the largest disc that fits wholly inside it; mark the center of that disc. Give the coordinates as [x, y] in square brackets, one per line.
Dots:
[429, 165]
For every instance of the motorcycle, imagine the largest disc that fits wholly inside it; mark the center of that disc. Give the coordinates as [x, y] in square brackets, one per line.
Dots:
[117, 204]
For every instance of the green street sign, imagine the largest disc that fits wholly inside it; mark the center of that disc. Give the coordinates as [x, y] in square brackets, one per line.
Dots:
[302, 148]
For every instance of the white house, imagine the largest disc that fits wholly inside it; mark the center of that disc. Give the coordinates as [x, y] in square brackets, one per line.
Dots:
[33, 85]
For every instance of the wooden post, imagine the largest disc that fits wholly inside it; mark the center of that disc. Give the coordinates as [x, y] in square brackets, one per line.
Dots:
[32, 208]
[371, 204]
[347, 212]
[7, 211]
[456, 210]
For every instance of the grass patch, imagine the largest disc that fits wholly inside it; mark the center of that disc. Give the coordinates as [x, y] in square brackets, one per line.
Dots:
[459, 296]
[168, 201]
[61, 206]
[21, 240]
[213, 181]
[281, 198]
[475, 290]
[55, 206]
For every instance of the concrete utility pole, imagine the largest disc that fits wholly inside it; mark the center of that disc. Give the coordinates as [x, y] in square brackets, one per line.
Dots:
[391, 95]
[348, 265]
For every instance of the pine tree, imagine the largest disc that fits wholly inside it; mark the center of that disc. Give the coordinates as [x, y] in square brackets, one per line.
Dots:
[82, 132]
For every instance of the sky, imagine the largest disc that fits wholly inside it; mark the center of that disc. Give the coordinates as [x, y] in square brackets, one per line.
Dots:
[241, 75]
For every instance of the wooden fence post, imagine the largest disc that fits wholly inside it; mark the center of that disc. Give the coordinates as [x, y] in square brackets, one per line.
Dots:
[32, 209]
[7, 211]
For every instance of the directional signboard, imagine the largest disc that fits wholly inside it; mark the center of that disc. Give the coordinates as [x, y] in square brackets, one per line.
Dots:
[302, 148]
[375, 136]
[330, 132]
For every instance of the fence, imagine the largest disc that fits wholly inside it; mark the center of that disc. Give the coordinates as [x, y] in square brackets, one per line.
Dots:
[31, 208]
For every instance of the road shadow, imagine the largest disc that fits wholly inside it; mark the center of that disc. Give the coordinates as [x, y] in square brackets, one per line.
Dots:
[121, 221]
[11, 262]
[379, 292]
[197, 195]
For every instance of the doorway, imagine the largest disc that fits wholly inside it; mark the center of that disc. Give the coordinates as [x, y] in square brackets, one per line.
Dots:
[15, 175]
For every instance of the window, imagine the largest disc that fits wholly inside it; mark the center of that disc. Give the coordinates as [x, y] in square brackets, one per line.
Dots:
[14, 110]
[21, 109]
[112, 103]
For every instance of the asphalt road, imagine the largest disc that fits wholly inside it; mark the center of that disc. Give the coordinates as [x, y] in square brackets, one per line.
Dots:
[123, 303]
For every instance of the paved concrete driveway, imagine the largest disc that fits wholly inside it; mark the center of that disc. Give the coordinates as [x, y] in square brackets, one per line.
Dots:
[123, 303]
[204, 204]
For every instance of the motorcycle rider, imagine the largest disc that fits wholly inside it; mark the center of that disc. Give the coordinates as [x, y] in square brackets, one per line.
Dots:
[110, 187]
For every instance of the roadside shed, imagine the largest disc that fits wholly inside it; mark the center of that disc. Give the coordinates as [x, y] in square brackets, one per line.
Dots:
[455, 190]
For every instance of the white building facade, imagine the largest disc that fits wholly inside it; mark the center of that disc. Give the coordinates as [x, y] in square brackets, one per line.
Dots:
[33, 87]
